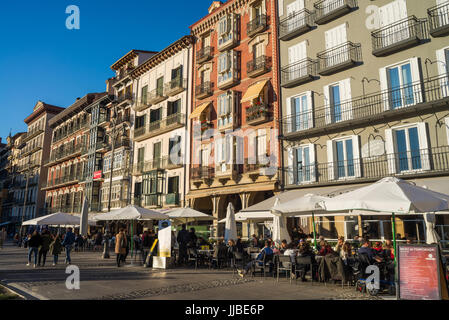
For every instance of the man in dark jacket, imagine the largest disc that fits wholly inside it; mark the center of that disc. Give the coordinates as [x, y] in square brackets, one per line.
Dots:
[33, 244]
[44, 247]
[183, 240]
[68, 242]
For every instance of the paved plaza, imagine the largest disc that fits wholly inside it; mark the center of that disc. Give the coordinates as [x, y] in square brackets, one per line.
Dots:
[102, 280]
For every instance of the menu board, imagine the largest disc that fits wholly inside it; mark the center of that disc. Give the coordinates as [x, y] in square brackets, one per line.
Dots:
[419, 272]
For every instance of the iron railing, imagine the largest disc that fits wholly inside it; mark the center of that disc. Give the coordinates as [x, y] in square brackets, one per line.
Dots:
[68, 179]
[128, 96]
[296, 24]
[73, 129]
[398, 36]
[166, 162]
[172, 199]
[31, 134]
[439, 19]
[256, 25]
[404, 164]
[204, 54]
[258, 66]
[339, 58]
[204, 90]
[200, 173]
[257, 114]
[175, 86]
[327, 10]
[299, 72]
[368, 107]
[157, 95]
[158, 127]
[61, 154]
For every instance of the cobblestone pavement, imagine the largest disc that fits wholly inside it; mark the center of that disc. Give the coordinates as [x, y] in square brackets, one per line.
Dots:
[101, 280]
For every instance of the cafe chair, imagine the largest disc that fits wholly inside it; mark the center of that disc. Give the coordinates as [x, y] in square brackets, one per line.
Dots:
[301, 264]
[284, 263]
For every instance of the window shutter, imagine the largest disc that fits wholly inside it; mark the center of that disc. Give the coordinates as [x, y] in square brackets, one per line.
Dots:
[281, 7]
[290, 177]
[327, 104]
[356, 156]
[446, 121]
[384, 88]
[347, 103]
[288, 123]
[229, 23]
[442, 72]
[217, 152]
[390, 149]
[228, 61]
[416, 79]
[424, 145]
[330, 160]
[310, 108]
[312, 162]
[228, 103]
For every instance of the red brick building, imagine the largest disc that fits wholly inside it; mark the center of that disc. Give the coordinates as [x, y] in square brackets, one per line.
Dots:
[234, 139]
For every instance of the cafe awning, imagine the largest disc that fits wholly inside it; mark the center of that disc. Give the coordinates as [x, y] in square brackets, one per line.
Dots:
[254, 91]
[199, 110]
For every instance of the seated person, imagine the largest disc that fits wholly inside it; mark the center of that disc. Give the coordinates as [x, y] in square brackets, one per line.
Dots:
[378, 247]
[340, 243]
[254, 242]
[325, 249]
[372, 254]
[304, 251]
[290, 251]
[266, 251]
[284, 246]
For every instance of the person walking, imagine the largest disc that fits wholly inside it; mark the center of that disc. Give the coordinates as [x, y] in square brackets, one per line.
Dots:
[145, 246]
[120, 246]
[33, 247]
[183, 240]
[69, 240]
[56, 249]
[44, 247]
[2, 237]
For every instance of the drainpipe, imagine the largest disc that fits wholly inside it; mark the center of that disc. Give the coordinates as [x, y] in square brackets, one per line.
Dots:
[187, 132]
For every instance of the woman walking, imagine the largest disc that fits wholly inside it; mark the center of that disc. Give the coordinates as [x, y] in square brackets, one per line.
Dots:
[121, 243]
[56, 249]
[44, 247]
[33, 247]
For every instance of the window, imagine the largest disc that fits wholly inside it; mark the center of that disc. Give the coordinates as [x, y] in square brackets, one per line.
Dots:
[300, 112]
[296, 14]
[344, 158]
[338, 102]
[301, 164]
[407, 148]
[144, 95]
[389, 14]
[225, 109]
[446, 122]
[296, 54]
[224, 150]
[160, 86]
[140, 121]
[226, 29]
[227, 66]
[335, 38]
[173, 107]
[261, 146]
[176, 73]
[443, 70]
[155, 115]
[400, 84]
[174, 150]
[173, 185]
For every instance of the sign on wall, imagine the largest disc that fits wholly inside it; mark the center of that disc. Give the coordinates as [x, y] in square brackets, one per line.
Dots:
[97, 174]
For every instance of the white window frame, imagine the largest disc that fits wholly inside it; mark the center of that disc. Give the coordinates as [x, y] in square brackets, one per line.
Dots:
[310, 108]
[345, 101]
[333, 161]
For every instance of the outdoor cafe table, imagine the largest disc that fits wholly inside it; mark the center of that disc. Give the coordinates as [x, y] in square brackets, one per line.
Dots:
[205, 252]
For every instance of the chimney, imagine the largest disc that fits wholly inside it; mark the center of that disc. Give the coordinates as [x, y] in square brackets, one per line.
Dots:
[215, 5]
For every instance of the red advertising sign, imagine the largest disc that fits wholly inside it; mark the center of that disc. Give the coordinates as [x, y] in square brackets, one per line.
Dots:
[97, 175]
[419, 272]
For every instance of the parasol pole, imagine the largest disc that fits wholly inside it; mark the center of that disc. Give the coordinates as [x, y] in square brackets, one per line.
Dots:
[396, 284]
[314, 231]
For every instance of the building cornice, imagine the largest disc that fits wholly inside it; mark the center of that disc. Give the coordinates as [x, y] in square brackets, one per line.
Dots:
[41, 108]
[128, 58]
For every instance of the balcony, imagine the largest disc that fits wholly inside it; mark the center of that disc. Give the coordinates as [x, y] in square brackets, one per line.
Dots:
[439, 20]
[73, 129]
[62, 181]
[122, 98]
[202, 174]
[156, 128]
[226, 171]
[123, 119]
[414, 164]
[256, 115]
[123, 173]
[398, 102]
[228, 79]
[29, 151]
[31, 134]
[256, 25]
[258, 66]
[204, 90]
[398, 36]
[141, 106]
[175, 86]
[152, 200]
[339, 58]
[299, 73]
[58, 156]
[161, 163]
[172, 199]
[204, 54]
[296, 24]
[155, 96]
[327, 10]
[253, 168]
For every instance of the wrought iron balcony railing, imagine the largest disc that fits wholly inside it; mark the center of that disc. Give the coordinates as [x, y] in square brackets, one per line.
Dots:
[398, 36]
[162, 163]
[258, 114]
[31, 134]
[202, 173]
[298, 73]
[73, 129]
[256, 25]
[172, 199]
[415, 163]
[339, 58]
[128, 97]
[327, 10]
[158, 127]
[204, 90]
[418, 95]
[296, 24]
[60, 155]
[175, 86]
[258, 66]
[439, 20]
[204, 54]
[157, 95]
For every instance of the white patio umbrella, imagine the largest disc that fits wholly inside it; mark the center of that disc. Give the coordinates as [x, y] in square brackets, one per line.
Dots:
[84, 218]
[279, 231]
[230, 227]
[54, 219]
[131, 212]
[307, 204]
[391, 195]
[431, 234]
[186, 215]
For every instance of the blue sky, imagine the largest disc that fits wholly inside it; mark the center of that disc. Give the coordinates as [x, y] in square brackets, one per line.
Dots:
[40, 59]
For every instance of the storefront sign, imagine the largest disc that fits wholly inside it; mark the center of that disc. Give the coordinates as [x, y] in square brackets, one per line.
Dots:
[164, 237]
[421, 274]
[97, 175]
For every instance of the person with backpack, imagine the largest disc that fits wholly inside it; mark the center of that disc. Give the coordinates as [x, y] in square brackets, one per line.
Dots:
[68, 242]
[121, 244]
[44, 247]
[56, 249]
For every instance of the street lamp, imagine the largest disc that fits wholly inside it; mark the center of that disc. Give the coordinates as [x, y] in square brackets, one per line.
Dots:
[27, 176]
[113, 135]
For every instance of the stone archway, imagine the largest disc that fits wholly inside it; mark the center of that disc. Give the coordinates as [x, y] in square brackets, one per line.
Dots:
[204, 204]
